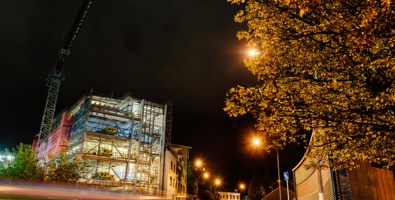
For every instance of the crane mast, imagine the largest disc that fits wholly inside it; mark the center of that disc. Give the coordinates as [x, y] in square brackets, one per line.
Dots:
[56, 76]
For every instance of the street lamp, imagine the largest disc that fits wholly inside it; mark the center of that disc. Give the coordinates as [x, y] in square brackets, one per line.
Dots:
[278, 174]
[198, 163]
[257, 142]
[253, 52]
[197, 171]
[206, 175]
[217, 182]
[242, 186]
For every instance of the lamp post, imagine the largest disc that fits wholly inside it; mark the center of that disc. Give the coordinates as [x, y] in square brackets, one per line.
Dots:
[278, 175]
[257, 142]
[198, 166]
[242, 187]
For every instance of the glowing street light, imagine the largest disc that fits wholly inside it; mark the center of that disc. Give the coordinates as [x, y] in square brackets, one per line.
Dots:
[242, 186]
[217, 182]
[256, 141]
[253, 52]
[206, 175]
[198, 163]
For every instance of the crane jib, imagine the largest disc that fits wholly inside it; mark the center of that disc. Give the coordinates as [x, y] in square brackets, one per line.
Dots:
[56, 76]
[75, 28]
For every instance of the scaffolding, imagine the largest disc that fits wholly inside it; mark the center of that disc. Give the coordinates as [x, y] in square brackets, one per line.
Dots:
[123, 141]
[57, 140]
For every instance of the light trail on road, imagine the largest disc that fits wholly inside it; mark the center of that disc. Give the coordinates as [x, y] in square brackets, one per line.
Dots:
[43, 191]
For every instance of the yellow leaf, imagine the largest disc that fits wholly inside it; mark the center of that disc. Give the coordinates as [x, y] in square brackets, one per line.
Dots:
[301, 12]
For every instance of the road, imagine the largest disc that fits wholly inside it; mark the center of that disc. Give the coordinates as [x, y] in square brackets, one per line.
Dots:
[23, 190]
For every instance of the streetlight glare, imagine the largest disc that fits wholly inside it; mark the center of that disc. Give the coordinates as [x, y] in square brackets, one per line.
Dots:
[217, 182]
[256, 141]
[242, 186]
[198, 163]
[253, 52]
[206, 175]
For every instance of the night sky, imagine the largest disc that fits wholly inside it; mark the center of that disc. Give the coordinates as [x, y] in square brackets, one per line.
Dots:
[180, 50]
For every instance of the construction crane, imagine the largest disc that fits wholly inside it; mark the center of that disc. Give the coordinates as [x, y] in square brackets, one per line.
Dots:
[56, 76]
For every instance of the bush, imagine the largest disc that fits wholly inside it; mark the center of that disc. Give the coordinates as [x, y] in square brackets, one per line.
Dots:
[24, 165]
[65, 168]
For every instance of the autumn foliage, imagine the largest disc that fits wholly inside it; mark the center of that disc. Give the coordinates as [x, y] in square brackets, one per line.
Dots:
[326, 65]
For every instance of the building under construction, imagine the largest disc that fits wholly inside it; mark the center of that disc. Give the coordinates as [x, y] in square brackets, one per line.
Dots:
[123, 141]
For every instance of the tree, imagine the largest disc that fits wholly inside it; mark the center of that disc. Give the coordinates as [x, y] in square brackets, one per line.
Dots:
[65, 168]
[197, 186]
[325, 65]
[24, 165]
[5, 161]
[207, 194]
[192, 180]
[256, 190]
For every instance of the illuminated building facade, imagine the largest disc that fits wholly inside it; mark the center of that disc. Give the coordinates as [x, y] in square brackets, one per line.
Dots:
[364, 182]
[122, 140]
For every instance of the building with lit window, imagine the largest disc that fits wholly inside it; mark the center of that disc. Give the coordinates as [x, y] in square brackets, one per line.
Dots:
[124, 141]
[176, 165]
[229, 196]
